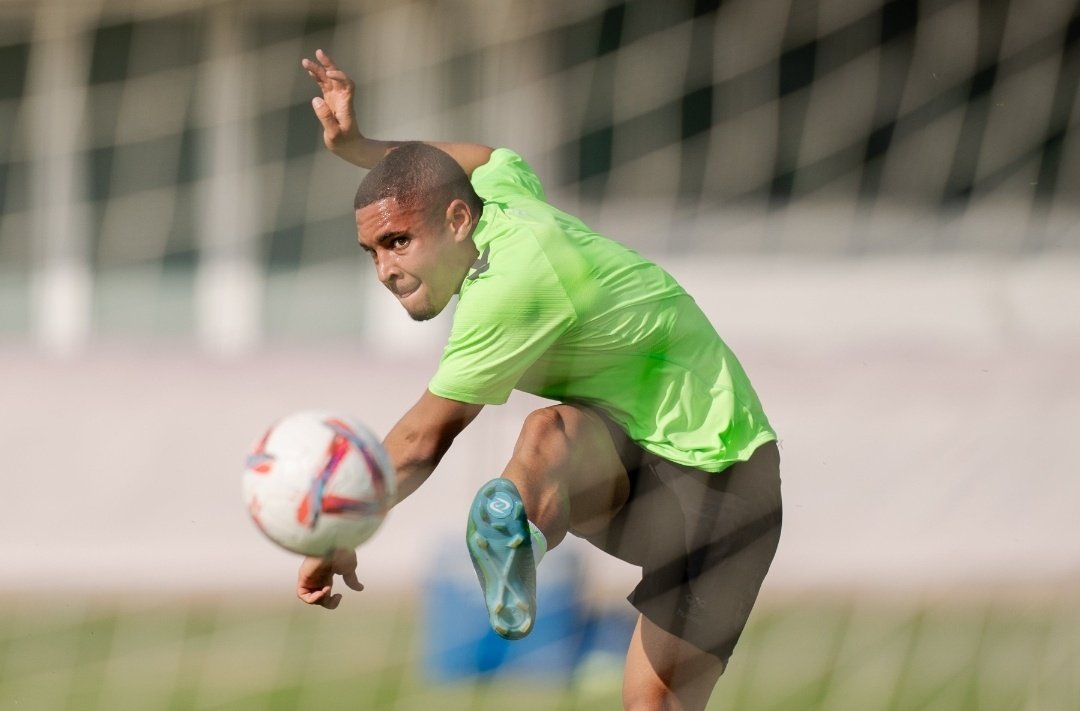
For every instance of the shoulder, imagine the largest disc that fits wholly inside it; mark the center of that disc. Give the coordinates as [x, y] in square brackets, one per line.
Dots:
[511, 257]
[505, 175]
[513, 278]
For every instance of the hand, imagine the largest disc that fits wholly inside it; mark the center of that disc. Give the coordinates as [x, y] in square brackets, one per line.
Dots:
[334, 108]
[315, 580]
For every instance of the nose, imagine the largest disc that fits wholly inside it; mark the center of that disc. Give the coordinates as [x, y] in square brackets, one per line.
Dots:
[386, 269]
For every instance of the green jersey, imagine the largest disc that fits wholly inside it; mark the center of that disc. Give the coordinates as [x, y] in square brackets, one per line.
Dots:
[554, 309]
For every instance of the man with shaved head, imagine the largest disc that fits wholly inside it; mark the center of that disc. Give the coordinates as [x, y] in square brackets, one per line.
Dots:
[656, 449]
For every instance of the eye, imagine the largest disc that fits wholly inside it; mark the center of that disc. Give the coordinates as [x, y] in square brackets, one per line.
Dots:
[399, 243]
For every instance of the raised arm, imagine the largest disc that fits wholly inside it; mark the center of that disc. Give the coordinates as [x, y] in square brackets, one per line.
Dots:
[335, 111]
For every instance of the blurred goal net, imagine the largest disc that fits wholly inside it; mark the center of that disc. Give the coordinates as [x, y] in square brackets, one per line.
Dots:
[161, 172]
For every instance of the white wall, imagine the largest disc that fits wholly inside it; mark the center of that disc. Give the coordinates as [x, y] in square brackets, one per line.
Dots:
[927, 414]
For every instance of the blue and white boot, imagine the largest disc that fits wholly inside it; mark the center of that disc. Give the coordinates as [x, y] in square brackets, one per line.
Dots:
[500, 545]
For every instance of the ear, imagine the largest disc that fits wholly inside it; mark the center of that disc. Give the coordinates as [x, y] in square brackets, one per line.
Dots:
[459, 218]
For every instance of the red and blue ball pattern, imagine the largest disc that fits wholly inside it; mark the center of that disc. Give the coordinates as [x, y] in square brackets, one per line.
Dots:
[315, 482]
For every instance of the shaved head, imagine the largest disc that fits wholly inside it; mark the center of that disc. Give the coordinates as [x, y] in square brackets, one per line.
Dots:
[418, 176]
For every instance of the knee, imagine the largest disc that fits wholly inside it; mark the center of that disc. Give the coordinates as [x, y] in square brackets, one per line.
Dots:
[546, 428]
[639, 697]
[651, 693]
[657, 695]
[666, 672]
[550, 436]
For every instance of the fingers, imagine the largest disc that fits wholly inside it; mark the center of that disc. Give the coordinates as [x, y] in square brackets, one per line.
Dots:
[322, 67]
[325, 73]
[341, 81]
[324, 113]
[317, 72]
[345, 566]
[314, 70]
[313, 597]
[316, 578]
[352, 581]
[321, 597]
[324, 59]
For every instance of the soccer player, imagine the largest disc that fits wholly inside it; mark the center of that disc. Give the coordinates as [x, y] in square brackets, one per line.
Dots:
[657, 450]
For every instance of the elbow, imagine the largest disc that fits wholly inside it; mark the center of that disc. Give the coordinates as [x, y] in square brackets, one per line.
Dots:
[417, 448]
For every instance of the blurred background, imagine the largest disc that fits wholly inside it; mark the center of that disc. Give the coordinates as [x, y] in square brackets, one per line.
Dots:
[877, 203]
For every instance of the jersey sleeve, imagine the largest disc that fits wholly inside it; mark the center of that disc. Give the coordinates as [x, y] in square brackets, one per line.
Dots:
[502, 326]
[506, 175]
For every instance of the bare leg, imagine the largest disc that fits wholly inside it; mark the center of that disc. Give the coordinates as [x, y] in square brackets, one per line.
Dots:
[665, 673]
[564, 475]
[571, 479]
[568, 473]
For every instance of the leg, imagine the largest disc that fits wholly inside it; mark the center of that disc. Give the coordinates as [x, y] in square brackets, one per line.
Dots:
[564, 474]
[665, 673]
[568, 472]
[731, 527]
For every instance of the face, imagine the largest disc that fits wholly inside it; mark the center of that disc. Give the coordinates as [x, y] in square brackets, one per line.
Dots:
[421, 258]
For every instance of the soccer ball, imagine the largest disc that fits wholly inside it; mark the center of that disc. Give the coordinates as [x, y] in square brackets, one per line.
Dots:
[317, 482]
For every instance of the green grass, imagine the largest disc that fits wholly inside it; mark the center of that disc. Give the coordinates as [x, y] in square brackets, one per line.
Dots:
[1002, 652]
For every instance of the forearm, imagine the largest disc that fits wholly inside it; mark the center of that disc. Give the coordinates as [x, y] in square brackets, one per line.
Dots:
[415, 454]
[417, 443]
[410, 476]
[366, 152]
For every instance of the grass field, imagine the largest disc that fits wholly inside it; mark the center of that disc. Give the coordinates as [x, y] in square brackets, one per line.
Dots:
[986, 652]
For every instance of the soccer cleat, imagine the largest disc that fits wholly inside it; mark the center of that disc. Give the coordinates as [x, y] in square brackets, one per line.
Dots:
[501, 550]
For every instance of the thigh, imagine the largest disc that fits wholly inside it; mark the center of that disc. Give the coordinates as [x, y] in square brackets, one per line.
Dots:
[580, 454]
[729, 510]
[731, 530]
[648, 525]
[704, 540]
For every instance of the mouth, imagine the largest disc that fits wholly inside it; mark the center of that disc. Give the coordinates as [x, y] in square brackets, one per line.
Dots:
[395, 287]
[403, 294]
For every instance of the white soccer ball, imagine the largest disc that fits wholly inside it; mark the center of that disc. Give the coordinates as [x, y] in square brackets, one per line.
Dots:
[317, 482]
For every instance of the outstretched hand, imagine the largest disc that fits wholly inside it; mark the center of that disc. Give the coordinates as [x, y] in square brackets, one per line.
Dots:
[334, 108]
[315, 581]
[342, 136]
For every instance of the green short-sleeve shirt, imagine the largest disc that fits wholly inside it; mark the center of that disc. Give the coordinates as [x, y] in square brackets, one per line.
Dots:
[554, 309]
